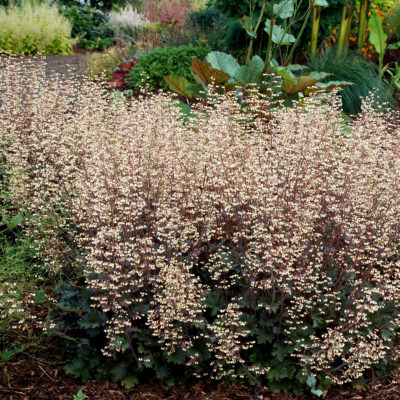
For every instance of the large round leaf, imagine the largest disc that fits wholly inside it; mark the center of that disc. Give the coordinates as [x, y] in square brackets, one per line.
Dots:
[223, 61]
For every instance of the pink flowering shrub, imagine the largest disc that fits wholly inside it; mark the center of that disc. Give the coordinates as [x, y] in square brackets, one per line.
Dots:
[166, 11]
[224, 245]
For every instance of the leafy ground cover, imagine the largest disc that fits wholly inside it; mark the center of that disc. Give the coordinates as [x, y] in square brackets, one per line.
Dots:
[42, 376]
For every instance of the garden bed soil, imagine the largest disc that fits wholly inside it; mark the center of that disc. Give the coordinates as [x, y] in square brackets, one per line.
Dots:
[41, 376]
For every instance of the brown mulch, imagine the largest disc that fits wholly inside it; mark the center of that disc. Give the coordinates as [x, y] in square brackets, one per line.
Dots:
[42, 377]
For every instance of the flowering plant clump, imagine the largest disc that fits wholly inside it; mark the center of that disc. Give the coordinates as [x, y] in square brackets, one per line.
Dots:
[167, 11]
[237, 247]
[129, 17]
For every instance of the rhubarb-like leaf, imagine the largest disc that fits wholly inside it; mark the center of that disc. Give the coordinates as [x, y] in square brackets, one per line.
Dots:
[279, 35]
[203, 72]
[247, 24]
[299, 84]
[284, 9]
[223, 62]
[179, 84]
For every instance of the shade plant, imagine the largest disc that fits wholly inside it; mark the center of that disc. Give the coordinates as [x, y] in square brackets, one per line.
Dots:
[260, 250]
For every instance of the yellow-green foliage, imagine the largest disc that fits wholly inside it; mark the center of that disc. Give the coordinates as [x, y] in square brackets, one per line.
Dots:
[102, 65]
[34, 28]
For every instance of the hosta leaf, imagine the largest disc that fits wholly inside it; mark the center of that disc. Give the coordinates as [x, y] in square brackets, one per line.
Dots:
[203, 72]
[223, 62]
[279, 35]
[179, 85]
[377, 36]
[247, 24]
[294, 86]
[284, 9]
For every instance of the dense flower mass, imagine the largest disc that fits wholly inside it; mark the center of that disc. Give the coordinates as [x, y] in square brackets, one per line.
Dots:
[239, 237]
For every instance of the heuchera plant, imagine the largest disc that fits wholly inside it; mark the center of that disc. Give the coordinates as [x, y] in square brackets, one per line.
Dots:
[238, 248]
[120, 74]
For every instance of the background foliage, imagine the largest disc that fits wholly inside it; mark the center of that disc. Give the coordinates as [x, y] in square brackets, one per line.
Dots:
[176, 61]
[32, 28]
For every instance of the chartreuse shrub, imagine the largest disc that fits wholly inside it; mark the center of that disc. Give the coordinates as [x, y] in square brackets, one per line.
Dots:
[34, 27]
[176, 61]
[261, 249]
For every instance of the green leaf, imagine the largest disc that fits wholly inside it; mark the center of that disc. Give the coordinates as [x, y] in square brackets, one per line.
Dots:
[377, 36]
[162, 372]
[394, 46]
[247, 24]
[280, 351]
[329, 86]
[280, 370]
[8, 354]
[184, 108]
[311, 381]
[303, 82]
[130, 381]
[16, 220]
[178, 357]
[93, 319]
[198, 90]
[284, 9]
[40, 296]
[284, 72]
[321, 3]
[203, 72]
[279, 35]
[118, 371]
[79, 396]
[317, 392]
[252, 72]
[265, 337]
[223, 62]
[179, 85]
